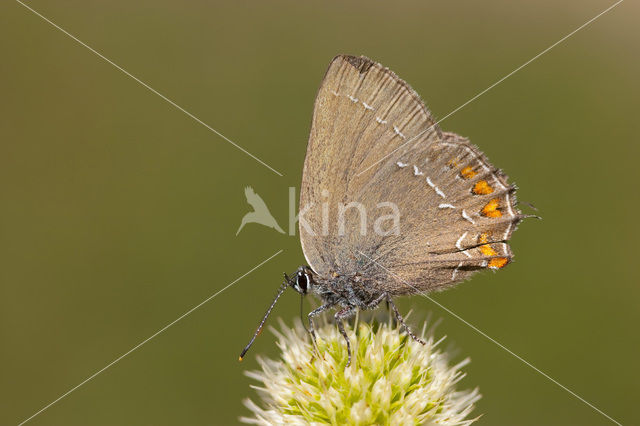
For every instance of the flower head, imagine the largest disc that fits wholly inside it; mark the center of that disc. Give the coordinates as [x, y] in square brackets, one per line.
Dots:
[391, 380]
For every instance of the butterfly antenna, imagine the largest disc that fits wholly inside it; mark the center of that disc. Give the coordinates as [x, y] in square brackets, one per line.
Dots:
[283, 287]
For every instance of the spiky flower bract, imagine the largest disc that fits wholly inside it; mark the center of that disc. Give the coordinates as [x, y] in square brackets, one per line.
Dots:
[392, 380]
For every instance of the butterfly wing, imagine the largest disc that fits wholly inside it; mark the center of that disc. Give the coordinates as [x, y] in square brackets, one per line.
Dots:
[376, 152]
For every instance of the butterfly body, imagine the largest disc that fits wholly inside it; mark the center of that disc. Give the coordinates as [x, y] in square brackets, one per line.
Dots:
[345, 291]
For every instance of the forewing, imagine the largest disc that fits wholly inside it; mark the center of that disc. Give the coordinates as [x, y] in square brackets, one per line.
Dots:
[362, 112]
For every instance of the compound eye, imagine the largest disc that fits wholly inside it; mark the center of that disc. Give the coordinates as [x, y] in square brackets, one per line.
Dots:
[302, 282]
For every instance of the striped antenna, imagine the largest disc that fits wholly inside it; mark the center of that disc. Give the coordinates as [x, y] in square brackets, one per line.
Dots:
[283, 287]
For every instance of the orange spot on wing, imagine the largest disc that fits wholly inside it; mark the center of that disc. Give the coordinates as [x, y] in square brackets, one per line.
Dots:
[468, 172]
[452, 163]
[485, 248]
[482, 188]
[491, 209]
[498, 262]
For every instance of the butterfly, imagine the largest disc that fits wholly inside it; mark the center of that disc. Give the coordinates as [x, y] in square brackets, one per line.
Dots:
[375, 145]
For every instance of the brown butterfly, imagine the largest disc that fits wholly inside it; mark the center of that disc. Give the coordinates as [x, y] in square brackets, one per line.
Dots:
[375, 145]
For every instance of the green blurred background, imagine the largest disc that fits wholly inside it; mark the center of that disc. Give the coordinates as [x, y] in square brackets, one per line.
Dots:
[119, 212]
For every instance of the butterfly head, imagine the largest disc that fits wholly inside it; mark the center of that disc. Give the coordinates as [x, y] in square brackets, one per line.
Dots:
[302, 280]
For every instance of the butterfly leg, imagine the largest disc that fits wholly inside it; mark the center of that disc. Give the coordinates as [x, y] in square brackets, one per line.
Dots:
[401, 321]
[313, 314]
[377, 301]
[340, 316]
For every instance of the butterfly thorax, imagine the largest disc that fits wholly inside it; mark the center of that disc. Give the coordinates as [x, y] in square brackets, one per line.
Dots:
[345, 290]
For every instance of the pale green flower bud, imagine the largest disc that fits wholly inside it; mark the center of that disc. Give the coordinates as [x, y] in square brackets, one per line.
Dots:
[392, 380]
